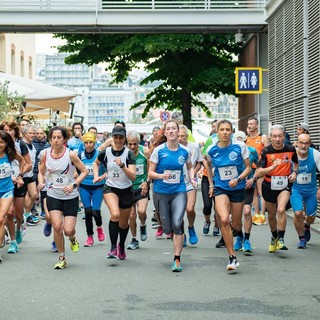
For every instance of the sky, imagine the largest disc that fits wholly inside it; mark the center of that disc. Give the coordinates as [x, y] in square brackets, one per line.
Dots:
[44, 43]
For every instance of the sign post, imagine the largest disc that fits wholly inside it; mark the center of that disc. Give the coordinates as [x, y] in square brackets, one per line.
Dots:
[165, 116]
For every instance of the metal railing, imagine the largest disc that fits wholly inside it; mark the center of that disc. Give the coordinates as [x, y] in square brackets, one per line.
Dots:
[102, 5]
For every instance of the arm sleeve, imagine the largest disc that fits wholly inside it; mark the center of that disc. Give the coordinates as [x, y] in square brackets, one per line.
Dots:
[131, 158]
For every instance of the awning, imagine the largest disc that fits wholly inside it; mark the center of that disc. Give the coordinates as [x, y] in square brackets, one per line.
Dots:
[38, 95]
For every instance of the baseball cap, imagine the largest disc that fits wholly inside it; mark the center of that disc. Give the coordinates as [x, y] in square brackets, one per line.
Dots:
[120, 122]
[304, 126]
[119, 131]
[239, 134]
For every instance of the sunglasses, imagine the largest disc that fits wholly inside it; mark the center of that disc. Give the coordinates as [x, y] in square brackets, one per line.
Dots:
[133, 144]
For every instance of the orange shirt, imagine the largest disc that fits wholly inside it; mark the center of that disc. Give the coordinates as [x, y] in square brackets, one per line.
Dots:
[287, 155]
[256, 143]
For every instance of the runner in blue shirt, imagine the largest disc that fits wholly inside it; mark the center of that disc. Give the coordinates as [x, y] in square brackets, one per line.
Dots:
[305, 192]
[170, 197]
[231, 164]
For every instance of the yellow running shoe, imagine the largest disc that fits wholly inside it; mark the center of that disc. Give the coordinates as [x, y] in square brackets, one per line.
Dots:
[62, 263]
[273, 245]
[74, 245]
[281, 245]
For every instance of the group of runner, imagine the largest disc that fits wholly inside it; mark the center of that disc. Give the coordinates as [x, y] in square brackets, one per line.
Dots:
[237, 170]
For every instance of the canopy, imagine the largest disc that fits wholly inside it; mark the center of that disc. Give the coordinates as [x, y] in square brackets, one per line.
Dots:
[38, 95]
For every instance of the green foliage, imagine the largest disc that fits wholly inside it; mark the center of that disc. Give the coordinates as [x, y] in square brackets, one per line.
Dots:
[185, 64]
[10, 102]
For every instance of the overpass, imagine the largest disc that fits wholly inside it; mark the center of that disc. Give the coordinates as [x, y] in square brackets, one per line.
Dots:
[132, 16]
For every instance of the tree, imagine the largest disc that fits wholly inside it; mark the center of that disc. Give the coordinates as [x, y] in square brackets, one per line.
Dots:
[186, 64]
[10, 103]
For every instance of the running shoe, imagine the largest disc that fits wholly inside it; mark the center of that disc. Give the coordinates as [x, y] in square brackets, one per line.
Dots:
[193, 238]
[216, 232]
[221, 243]
[30, 221]
[256, 219]
[133, 245]
[239, 244]
[42, 215]
[206, 227]
[307, 234]
[247, 247]
[89, 242]
[281, 245]
[143, 233]
[233, 264]
[61, 264]
[18, 236]
[0, 258]
[169, 236]
[159, 232]
[263, 219]
[112, 254]
[273, 245]
[302, 244]
[47, 229]
[74, 245]
[176, 266]
[101, 235]
[155, 225]
[13, 247]
[121, 253]
[53, 247]
[35, 218]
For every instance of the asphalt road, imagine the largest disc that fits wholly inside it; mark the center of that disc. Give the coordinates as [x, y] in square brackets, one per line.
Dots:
[283, 285]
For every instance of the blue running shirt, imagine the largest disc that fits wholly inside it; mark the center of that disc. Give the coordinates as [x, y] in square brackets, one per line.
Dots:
[228, 163]
[173, 161]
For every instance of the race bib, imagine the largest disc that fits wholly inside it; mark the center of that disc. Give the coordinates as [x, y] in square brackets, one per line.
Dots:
[116, 174]
[174, 176]
[59, 181]
[228, 173]
[279, 182]
[90, 169]
[139, 169]
[5, 170]
[304, 178]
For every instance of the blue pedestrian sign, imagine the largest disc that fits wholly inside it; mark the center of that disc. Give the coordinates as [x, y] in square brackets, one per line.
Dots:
[248, 80]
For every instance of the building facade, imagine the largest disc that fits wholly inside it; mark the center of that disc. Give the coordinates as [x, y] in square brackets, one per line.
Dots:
[17, 54]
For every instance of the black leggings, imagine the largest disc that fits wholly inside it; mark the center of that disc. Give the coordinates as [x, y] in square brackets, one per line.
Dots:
[207, 201]
[96, 214]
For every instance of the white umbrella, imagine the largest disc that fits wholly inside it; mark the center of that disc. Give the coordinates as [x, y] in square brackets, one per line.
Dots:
[38, 95]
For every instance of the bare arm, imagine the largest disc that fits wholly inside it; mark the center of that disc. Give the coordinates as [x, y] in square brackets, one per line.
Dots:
[265, 140]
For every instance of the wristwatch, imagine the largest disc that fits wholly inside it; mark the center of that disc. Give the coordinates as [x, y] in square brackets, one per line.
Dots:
[75, 186]
[239, 180]
[122, 165]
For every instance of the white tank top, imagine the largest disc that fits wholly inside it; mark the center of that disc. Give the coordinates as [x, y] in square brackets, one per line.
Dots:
[59, 173]
[115, 176]
[32, 153]
[15, 169]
